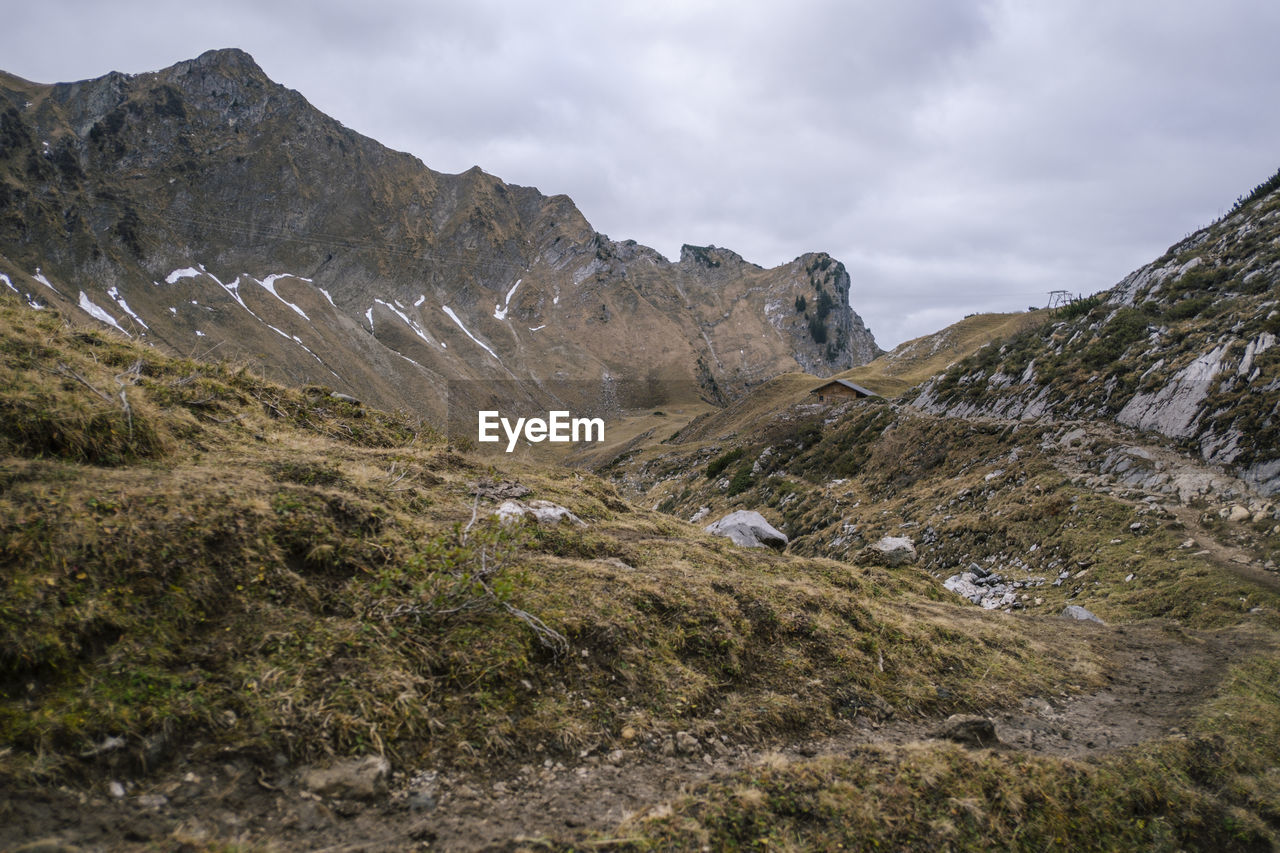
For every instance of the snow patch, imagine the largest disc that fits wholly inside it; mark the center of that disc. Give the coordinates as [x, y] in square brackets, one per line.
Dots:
[538, 328]
[406, 358]
[326, 295]
[114, 293]
[234, 290]
[269, 284]
[97, 312]
[8, 283]
[39, 276]
[178, 275]
[421, 299]
[408, 321]
[483, 345]
[500, 313]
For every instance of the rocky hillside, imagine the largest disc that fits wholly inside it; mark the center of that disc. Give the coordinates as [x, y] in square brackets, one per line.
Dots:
[1184, 347]
[1155, 404]
[206, 208]
[236, 614]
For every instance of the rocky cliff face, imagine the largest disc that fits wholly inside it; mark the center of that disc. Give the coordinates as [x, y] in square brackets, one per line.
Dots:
[207, 209]
[1184, 346]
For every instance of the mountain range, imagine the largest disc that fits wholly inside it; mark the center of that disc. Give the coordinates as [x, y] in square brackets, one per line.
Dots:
[209, 210]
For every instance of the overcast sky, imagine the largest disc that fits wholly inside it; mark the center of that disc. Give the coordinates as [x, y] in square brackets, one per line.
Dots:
[956, 156]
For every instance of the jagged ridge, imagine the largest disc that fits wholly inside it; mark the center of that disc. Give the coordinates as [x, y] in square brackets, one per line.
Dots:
[327, 258]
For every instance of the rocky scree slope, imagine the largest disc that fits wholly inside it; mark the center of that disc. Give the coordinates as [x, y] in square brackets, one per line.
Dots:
[1184, 347]
[204, 207]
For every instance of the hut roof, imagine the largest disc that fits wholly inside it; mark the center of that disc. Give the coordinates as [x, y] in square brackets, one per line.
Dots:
[852, 386]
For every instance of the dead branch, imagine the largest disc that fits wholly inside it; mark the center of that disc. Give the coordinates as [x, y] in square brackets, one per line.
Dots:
[63, 370]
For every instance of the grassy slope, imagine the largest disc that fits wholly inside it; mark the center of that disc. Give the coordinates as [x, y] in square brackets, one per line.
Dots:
[232, 563]
[229, 563]
[918, 359]
[1201, 792]
[878, 470]
[838, 478]
[1210, 298]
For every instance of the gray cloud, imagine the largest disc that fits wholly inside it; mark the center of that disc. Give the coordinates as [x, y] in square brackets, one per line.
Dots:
[958, 157]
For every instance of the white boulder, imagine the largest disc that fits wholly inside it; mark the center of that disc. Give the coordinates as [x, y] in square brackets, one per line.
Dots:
[543, 512]
[1075, 611]
[749, 529]
[894, 550]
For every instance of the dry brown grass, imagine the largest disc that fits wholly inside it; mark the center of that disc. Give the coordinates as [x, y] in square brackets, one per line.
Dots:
[284, 572]
[918, 359]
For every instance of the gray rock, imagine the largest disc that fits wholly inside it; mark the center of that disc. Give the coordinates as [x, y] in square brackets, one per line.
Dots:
[687, 744]
[1236, 513]
[358, 778]
[894, 551]
[543, 512]
[990, 591]
[969, 730]
[1075, 611]
[420, 801]
[748, 529]
[152, 801]
[1005, 599]
[963, 586]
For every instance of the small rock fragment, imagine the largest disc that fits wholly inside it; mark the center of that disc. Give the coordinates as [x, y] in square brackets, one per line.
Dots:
[687, 743]
[358, 778]
[543, 512]
[969, 730]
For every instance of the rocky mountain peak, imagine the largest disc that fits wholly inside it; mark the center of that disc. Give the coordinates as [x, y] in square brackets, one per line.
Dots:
[222, 208]
[712, 257]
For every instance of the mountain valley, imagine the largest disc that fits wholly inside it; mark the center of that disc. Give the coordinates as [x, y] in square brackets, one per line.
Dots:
[260, 594]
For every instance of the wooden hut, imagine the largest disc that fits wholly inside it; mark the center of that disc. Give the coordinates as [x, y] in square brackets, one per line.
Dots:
[841, 389]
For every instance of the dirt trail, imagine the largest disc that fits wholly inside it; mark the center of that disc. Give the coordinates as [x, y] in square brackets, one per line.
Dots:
[1160, 676]
[1238, 561]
